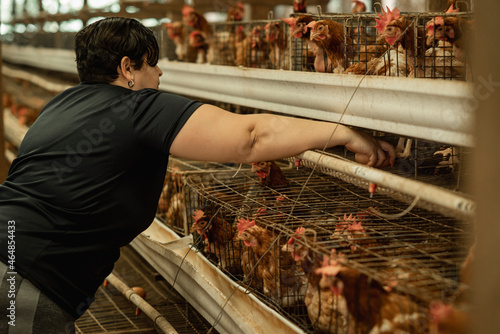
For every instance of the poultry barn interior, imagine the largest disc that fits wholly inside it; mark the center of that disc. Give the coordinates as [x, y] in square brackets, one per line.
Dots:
[314, 243]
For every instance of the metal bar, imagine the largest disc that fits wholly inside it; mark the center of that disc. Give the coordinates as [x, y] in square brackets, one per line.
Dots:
[436, 110]
[131, 295]
[427, 192]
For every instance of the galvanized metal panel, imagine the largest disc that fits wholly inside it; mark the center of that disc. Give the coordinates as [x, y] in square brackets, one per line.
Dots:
[431, 109]
[219, 299]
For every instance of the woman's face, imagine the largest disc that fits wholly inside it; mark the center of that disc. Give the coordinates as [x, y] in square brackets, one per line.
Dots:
[147, 77]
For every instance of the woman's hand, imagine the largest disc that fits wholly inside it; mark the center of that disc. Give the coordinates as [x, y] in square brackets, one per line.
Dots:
[370, 151]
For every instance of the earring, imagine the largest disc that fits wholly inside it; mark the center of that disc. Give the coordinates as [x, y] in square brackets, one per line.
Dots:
[131, 83]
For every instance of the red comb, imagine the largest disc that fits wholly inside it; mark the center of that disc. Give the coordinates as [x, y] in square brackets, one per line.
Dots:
[194, 33]
[198, 214]
[291, 21]
[186, 10]
[243, 224]
[262, 209]
[438, 21]
[451, 10]
[312, 24]
[240, 5]
[386, 18]
[355, 226]
[300, 230]
[349, 218]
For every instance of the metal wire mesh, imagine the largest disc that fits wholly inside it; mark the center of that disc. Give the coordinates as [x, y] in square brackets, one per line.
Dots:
[114, 313]
[420, 253]
[420, 52]
[171, 205]
[254, 44]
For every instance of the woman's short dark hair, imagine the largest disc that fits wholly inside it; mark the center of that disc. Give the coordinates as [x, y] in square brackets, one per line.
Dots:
[101, 46]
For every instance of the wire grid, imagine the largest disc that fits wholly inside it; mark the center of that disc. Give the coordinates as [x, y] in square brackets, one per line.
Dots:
[363, 45]
[254, 44]
[171, 205]
[423, 246]
[113, 313]
[428, 161]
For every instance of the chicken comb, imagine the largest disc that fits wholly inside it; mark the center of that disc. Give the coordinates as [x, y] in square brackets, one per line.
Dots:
[437, 21]
[256, 31]
[240, 6]
[262, 210]
[299, 231]
[186, 10]
[355, 226]
[451, 10]
[386, 18]
[243, 224]
[357, 2]
[328, 268]
[312, 24]
[291, 21]
[197, 215]
[194, 33]
[350, 218]
[439, 310]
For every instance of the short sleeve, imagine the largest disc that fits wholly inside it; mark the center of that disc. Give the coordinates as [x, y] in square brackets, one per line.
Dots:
[159, 116]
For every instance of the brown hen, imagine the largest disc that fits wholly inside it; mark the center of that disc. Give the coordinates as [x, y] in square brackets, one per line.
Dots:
[328, 312]
[281, 282]
[219, 238]
[375, 309]
[331, 39]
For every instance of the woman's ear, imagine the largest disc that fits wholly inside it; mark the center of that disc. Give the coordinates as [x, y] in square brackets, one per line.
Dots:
[125, 68]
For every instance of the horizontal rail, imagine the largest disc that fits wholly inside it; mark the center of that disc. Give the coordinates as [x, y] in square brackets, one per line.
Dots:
[431, 109]
[439, 196]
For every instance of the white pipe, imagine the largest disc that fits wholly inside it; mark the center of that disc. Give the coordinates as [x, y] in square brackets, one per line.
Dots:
[14, 132]
[149, 310]
[48, 85]
[433, 194]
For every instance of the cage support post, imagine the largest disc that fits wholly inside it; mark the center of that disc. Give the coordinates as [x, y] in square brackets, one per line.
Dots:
[486, 169]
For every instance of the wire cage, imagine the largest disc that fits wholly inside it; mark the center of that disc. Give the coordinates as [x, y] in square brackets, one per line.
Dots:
[431, 45]
[431, 162]
[171, 208]
[255, 44]
[416, 257]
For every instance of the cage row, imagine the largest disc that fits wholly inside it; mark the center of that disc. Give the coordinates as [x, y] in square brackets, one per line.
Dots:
[390, 43]
[305, 242]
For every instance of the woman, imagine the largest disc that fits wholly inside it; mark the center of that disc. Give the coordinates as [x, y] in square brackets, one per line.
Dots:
[90, 170]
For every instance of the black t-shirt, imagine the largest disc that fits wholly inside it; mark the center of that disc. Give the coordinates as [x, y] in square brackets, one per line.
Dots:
[86, 181]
